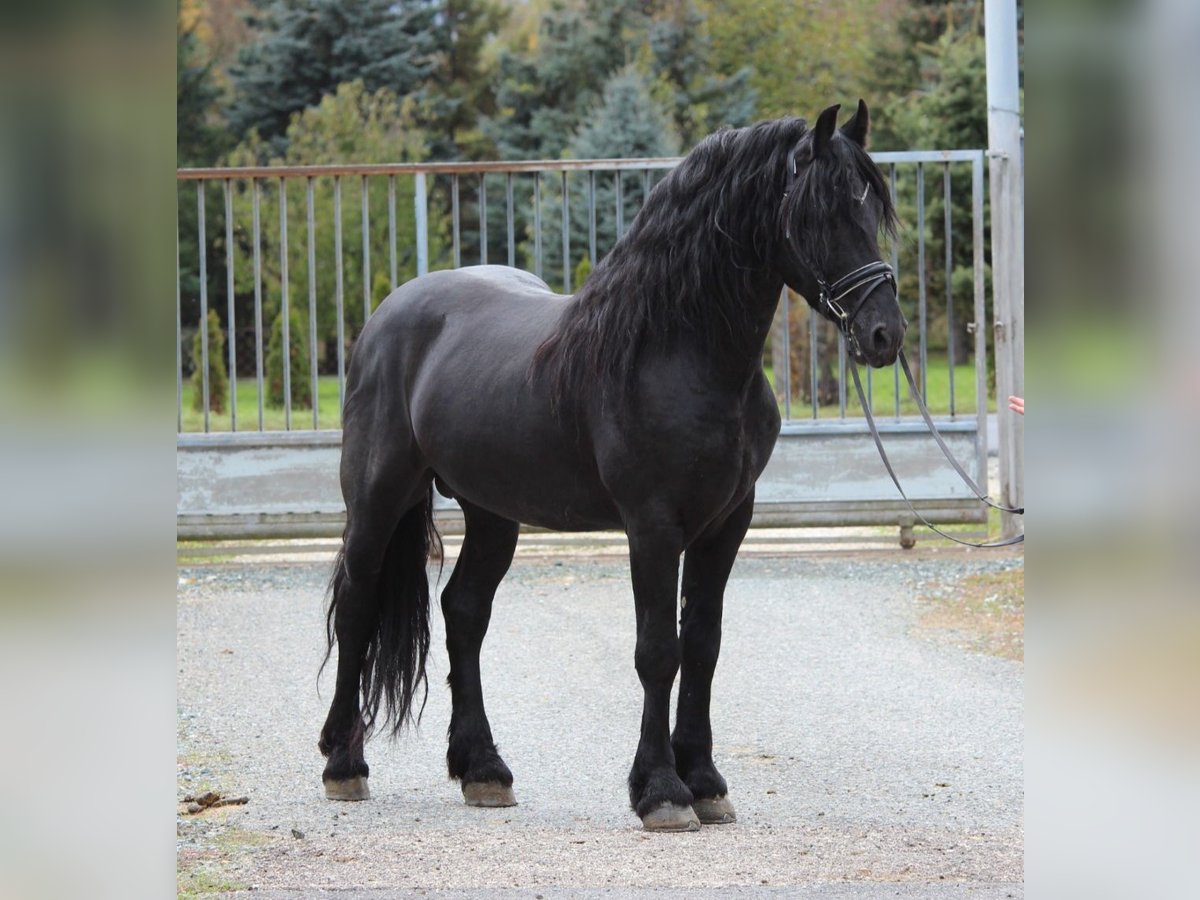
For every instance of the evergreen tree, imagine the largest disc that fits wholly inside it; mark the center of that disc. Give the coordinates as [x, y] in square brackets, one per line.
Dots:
[544, 95]
[700, 99]
[198, 139]
[461, 91]
[306, 48]
[627, 123]
[218, 378]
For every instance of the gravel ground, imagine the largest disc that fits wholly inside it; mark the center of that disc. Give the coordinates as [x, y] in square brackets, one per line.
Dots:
[865, 760]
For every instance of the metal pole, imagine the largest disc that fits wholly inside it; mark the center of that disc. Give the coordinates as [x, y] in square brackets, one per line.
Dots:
[456, 226]
[258, 302]
[392, 229]
[566, 236]
[339, 293]
[421, 211]
[979, 326]
[1008, 252]
[178, 335]
[230, 329]
[483, 235]
[312, 303]
[508, 212]
[366, 250]
[283, 307]
[201, 230]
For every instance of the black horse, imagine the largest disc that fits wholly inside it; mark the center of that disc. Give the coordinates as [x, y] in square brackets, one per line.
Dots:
[639, 403]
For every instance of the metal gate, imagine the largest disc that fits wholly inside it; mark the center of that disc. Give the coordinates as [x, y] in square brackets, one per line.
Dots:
[298, 257]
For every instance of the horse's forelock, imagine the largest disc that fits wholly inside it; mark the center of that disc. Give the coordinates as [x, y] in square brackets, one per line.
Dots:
[822, 191]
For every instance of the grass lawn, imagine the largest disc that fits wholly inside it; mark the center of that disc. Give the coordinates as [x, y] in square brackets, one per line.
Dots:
[328, 412]
[883, 393]
[883, 386]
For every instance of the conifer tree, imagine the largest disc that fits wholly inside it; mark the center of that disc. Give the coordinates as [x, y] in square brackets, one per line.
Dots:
[306, 48]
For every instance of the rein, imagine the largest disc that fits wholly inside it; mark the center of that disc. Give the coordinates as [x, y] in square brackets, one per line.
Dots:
[869, 277]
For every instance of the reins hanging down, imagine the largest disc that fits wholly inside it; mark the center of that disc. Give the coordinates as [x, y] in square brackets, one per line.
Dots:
[916, 394]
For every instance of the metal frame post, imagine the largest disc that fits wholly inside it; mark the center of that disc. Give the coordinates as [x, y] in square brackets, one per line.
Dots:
[1008, 251]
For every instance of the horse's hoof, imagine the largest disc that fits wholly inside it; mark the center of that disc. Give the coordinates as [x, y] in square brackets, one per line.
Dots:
[669, 817]
[715, 811]
[350, 789]
[488, 793]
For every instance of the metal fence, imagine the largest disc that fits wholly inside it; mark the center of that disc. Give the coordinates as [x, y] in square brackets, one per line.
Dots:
[292, 260]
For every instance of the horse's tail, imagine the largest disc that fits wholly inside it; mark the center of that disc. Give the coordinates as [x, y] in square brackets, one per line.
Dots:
[393, 665]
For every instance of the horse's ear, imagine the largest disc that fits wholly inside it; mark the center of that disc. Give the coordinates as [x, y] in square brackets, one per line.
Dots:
[856, 129]
[823, 131]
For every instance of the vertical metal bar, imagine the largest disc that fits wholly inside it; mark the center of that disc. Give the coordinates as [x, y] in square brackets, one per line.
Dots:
[283, 307]
[230, 329]
[456, 229]
[339, 298]
[508, 212]
[178, 332]
[896, 270]
[200, 230]
[392, 229]
[922, 311]
[258, 306]
[1006, 165]
[842, 378]
[421, 213]
[949, 284]
[981, 394]
[312, 304]
[813, 381]
[483, 235]
[537, 224]
[787, 355]
[592, 217]
[645, 186]
[619, 192]
[566, 235]
[366, 250]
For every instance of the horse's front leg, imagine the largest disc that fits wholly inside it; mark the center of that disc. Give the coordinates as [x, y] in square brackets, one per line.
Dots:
[656, 792]
[706, 568]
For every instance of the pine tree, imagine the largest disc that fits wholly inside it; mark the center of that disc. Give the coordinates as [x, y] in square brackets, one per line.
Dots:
[544, 95]
[627, 123]
[699, 99]
[218, 377]
[306, 48]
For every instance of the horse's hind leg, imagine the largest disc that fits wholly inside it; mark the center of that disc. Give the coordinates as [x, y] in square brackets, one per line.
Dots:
[472, 757]
[382, 563]
[706, 568]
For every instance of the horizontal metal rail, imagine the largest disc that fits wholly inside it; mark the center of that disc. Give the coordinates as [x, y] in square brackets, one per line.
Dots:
[447, 168]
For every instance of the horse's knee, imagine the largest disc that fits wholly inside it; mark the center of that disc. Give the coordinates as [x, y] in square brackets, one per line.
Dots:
[657, 660]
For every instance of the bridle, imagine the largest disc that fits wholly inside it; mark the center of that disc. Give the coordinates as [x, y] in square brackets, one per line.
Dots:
[866, 279]
[863, 281]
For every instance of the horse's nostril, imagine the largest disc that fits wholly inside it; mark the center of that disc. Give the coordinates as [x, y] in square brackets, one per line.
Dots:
[880, 339]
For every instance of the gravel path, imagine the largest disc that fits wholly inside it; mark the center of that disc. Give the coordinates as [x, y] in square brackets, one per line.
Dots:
[865, 760]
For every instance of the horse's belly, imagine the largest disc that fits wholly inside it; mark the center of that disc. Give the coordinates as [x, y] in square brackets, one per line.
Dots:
[493, 442]
[545, 495]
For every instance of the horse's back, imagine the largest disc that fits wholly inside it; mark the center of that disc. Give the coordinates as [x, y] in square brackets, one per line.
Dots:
[447, 372]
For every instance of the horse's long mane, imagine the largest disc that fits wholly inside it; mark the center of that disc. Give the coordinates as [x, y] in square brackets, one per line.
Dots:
[695, 252]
